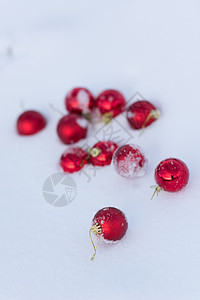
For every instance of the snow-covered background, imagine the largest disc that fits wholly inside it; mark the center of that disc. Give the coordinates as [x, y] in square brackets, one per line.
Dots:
[48, 47]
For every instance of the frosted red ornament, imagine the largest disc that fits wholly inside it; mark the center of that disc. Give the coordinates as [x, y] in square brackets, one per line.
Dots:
[102, 152]
[129, 161]
[30, 122]
[73, 160]
[142, 114]
[110, 103]
[171, 175]
[110, 224]
[79, 100]
[72, 128]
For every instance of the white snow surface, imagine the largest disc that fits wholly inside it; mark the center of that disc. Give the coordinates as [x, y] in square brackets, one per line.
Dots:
[149, 47]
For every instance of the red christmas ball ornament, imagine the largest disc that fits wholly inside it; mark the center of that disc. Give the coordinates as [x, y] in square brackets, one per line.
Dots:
[142, 114]
[110, 224]
[171, 175]
[72, 128]
[102, 152]
[30, 122]
[110, 103]
[73, 160]
[80, 101]
[129, 161]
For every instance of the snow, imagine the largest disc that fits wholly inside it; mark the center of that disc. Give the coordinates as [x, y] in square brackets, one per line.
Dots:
[82, 122]
[83, 99]
[138, 47]
[130, 165]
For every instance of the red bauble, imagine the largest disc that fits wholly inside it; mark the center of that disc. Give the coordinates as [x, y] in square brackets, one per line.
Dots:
[101, 153]
[113, 223]
[110, 102]
[79, 100]
[109, 223]
[30, 122]
[129, 161]
[73, 160]
[142, 114]
[171, 175]
[72, 128]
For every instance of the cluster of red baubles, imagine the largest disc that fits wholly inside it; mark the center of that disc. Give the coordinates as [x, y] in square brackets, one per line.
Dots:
[82, 106]
[75, 158]
[171, 174]
[71, 128]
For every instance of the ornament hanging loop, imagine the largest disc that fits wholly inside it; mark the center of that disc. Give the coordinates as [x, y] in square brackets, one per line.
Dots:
[56, 109]
[107, 117]
[157, 190]
[154, 114]
[87, 116]
[95, 229]
[94, 152]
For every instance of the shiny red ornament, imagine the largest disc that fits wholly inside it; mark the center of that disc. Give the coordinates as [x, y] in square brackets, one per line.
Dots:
[142, 114]
[110, 102]
[30, 122]
[129, 161]
[72, 128]
[79, 100]
[102, 152]
[171, 175]
[73, 160]
[110, 224]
